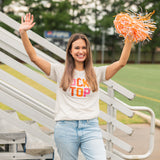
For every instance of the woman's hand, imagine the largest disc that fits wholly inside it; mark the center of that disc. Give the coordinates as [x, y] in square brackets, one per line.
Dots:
[129, 37]
[27, 24]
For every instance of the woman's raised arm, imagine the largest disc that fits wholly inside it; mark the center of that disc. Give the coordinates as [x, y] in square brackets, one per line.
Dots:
[24, 27]
[116, 66]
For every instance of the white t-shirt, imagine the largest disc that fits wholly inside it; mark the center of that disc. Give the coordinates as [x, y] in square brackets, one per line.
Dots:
[78, 102]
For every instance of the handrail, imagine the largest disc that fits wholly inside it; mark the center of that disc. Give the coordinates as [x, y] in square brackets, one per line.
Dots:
[119, 105]
[120, 89]
[152, 130]
[116, 123]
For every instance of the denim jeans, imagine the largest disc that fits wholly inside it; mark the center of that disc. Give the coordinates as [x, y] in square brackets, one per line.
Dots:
[70, 136]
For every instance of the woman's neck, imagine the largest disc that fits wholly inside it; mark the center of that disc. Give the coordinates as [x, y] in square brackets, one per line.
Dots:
[79, 66]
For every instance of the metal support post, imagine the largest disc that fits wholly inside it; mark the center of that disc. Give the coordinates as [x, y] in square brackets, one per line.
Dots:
[103, 46]
[110, 111]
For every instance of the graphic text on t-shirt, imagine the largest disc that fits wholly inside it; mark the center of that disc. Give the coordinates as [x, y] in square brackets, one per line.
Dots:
[80, 88]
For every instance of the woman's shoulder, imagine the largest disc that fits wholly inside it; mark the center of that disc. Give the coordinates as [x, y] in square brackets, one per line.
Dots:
[99, 69]
[100, 73]
[57, 66]
[56, 71]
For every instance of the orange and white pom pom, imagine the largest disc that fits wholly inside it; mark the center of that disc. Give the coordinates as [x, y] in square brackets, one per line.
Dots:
[137, 26]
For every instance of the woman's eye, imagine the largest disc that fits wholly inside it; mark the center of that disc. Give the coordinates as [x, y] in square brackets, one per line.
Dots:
[80, 47]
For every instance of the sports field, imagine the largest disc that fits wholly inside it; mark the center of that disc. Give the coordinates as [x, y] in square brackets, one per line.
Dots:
[144, 81]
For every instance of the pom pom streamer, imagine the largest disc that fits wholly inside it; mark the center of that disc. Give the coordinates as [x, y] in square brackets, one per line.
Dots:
[140, 27]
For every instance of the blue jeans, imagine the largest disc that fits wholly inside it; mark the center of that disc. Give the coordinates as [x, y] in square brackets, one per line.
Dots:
[70, 136]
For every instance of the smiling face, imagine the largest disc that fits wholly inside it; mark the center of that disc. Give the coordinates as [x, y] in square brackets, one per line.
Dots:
[79, 51]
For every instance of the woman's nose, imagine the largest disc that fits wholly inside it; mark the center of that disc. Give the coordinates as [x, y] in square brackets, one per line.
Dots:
[80, 50]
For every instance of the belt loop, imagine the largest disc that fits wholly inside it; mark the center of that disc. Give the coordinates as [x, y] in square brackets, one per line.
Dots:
[78, 123]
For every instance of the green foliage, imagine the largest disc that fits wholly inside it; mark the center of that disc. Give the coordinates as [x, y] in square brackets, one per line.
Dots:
[6, 2]
[54, 17]
[74, 16]
[107, 21]
[57, 16]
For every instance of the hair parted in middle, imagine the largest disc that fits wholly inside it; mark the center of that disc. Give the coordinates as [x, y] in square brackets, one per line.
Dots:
[90, 75]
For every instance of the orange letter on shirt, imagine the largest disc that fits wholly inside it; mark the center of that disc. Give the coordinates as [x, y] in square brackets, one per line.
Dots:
[85, 83]
[72, 90]
[79, 92]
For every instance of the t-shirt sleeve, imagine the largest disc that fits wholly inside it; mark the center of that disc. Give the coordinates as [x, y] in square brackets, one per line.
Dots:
[101, 73]
[56, 68]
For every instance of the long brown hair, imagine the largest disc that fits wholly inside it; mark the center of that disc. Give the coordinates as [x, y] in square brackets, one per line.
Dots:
[70, 65]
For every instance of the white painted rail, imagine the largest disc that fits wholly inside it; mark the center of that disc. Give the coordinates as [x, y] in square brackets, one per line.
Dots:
[33, 36]
[23, 87]
[26, 105]
[151, 140]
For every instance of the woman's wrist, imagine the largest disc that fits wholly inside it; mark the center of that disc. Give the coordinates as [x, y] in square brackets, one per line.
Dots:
[21, 31]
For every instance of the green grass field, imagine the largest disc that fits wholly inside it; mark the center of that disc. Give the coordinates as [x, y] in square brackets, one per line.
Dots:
[143, 80]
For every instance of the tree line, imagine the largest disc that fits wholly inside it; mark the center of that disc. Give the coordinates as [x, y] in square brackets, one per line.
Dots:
[90, 17]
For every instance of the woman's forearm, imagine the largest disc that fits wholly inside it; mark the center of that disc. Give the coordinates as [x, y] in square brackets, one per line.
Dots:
[28, 46]
[125, 53]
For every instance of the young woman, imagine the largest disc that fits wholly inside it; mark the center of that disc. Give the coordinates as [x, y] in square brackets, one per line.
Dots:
[77, 102]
